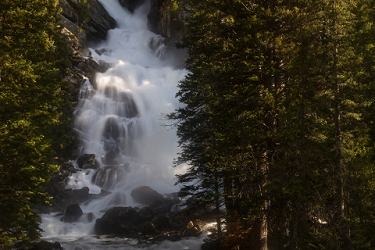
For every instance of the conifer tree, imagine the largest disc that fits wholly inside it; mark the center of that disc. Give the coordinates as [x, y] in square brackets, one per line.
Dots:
[281, 89]
[35, 111]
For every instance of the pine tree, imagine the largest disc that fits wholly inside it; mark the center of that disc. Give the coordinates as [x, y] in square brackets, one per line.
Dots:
[278, 88]
[35, 111]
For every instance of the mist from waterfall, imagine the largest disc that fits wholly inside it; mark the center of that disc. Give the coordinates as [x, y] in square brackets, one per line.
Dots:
[118, 118]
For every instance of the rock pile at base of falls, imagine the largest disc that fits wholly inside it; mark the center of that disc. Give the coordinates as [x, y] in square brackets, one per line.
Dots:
[154, 222]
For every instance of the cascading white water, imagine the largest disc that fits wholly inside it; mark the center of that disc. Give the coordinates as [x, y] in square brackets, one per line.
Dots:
[118, 120]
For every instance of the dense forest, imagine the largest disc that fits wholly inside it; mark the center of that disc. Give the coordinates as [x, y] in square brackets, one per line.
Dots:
[278, 126]
[35, 111]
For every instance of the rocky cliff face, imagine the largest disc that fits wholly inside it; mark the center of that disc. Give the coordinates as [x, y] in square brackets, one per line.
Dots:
[167, 18]
[88, 22]
[85, 24]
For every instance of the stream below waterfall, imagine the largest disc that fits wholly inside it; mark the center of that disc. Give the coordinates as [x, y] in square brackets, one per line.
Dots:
[118, 118]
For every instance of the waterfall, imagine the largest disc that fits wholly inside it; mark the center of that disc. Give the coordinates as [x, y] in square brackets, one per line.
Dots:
[118, 120]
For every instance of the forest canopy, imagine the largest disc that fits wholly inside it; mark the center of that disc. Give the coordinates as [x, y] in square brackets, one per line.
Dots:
[278, 122]
[35, 111]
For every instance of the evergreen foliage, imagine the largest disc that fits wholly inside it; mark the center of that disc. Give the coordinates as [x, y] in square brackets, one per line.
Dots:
[35, 111]
[277, 115]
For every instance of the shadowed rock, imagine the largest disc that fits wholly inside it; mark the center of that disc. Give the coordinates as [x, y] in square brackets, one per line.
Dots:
[145, 195]
[67, 197]
[118, 220]
[44, 245]
[72, 213]
[162, 223]
[88, 161]
[106, 176]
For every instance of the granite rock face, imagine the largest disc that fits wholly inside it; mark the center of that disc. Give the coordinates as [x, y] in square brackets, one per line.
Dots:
[89, 23]
[84, 25]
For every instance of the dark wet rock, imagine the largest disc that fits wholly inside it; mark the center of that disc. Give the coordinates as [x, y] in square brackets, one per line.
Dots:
[162, 223]
[104, 192]
[84, 26]
[87, 161]
[131, 5]
[145, 195]
[45, 245]
[170, 236]
[102, 51]
[72, 213]
[109, 158]
[90, 65]
[174, 237]
[211, 245]
[88, 24]
[106, 176]
[162, 206]
[100, 22]
[118, 220]
[90, 217]
[128, 107]
[146, 214]
[147, 228]
[112, 129]
[157, 45]
[194, 228]
[110, 145]
[56, 189]
[69, 196]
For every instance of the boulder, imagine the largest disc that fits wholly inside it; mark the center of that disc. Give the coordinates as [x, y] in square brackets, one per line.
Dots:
[72, 213]
[162, 206]
[105, 177]
[112, 129]
[194, 228]
[45, 245]
[162, 223]
[118, 220]
[88, 161]
[145, 195]
[147, 228]
[109, 158]
[66, 197]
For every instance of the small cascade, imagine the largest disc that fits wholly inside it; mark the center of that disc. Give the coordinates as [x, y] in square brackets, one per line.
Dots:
[118, 121]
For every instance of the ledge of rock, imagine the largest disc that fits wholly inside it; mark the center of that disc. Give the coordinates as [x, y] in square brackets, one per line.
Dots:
[89, 23]
[145, 195]
[72, 213]
[88, 161]
[118, 220]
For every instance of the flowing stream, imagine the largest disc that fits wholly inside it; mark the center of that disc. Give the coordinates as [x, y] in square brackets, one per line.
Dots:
[118, 120]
